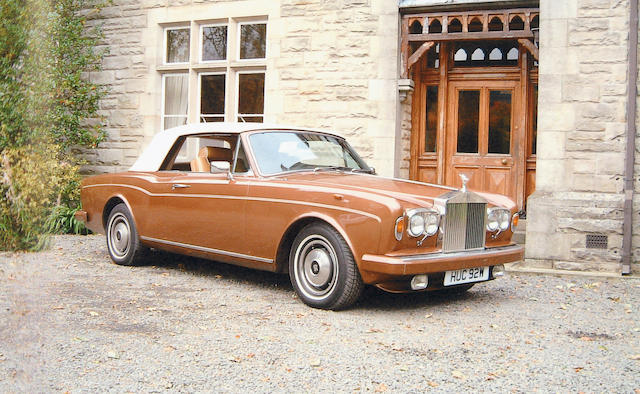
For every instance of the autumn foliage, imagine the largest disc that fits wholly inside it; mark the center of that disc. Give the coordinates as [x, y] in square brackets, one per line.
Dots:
[48, 110]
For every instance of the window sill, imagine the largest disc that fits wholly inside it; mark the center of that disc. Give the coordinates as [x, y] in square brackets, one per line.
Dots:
[173, 67]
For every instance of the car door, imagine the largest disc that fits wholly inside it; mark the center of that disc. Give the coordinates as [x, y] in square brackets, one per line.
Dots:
[204, 210]
[199, 210]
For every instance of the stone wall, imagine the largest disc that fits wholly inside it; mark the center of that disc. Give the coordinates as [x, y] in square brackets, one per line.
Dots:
[581, 135]
[329, 65]
[336, 69]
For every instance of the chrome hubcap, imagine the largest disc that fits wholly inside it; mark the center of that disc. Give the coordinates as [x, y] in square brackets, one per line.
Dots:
[316, 267]
[119, 235]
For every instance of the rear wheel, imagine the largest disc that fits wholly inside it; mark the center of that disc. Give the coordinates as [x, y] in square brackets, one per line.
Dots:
[322, 269]
[123, 242]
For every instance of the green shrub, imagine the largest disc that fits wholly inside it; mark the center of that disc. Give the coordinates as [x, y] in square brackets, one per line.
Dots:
[48, 109]
[62, 220]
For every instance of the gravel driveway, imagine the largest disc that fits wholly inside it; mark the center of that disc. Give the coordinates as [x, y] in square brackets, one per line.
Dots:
[70, 320]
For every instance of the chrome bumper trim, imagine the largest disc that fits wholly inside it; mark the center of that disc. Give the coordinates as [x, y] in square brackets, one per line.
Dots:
[467, 253]
[207, 250]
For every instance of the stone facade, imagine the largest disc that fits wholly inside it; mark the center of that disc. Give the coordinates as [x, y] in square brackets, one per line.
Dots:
[336, 65]
[581, 136]
[327, 66]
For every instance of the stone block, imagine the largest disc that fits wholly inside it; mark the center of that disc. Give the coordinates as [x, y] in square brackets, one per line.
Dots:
[610, 164]
[544, 246]
[295, 44]
[584, 166]
[578, 89]
[551, 145]
[604, 54]
[553, 9]
[102, 77]
[550, 175]
[553, 33]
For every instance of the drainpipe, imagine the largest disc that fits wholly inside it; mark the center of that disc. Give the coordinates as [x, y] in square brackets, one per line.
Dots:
[632, 77]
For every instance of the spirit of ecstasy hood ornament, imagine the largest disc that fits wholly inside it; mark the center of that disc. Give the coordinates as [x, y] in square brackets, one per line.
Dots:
[464, 179]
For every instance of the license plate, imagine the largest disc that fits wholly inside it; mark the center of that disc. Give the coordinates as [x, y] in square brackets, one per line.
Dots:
[466, 275]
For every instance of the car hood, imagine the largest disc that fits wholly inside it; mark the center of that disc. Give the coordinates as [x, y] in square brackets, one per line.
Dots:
[413, 192]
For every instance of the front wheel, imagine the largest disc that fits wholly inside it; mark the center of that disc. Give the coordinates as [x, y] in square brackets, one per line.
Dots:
[122, 237]
[322, 269]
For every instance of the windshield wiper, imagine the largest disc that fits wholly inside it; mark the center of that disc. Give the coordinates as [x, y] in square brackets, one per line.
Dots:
[339, 168]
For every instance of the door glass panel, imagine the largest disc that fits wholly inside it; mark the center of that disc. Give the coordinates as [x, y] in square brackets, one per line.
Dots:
[468, 120]
[500, 121]
[432, 119]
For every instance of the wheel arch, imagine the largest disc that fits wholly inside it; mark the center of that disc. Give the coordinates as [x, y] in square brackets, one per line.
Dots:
[286, 241]
[112, 203]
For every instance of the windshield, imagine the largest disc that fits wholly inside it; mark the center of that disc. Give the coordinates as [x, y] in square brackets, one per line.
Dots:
[277, 152]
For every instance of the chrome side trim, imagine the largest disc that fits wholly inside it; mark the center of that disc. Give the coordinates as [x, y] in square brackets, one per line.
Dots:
[228, 197]
[208, 250]
[466, 253]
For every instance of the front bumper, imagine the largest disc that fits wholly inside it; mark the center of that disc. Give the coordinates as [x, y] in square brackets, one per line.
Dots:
[440, 262]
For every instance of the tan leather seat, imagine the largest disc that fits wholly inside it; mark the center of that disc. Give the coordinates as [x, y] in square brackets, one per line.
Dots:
[207, 154]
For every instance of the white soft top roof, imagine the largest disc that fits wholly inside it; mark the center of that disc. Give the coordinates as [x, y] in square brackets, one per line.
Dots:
[153, 155]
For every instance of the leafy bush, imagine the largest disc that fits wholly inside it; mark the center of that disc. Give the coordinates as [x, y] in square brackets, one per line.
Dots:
[46, 103]
[62, 220]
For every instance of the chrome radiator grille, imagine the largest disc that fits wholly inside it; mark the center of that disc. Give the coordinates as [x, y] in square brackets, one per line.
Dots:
[464, 226]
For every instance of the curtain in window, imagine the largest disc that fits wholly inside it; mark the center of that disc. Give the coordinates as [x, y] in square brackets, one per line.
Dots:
[176, 100]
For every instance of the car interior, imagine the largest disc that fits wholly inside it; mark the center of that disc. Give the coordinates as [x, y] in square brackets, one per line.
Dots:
[195, 154]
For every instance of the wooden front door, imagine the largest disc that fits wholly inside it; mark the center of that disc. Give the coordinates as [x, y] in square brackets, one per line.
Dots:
[482, 136]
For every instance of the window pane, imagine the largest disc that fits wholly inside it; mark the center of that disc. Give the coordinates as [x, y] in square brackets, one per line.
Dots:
[211, 119]
[178, 45]
[250, 94]
[241, 163]
[432, 119]
[176, 94]
[212, 94]
[174, 121]
[250, 119]
[468, 120]
[500, 121]
[253, 41]
[214, 43]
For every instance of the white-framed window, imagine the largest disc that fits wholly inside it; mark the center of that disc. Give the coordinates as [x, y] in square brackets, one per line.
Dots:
[250, 96]
[213, 42]
[212, 88]
[226, 77]
[175, 103]
[252, 40]
[177, 44]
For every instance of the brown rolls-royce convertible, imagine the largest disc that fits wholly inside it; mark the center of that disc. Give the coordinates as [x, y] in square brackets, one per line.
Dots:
[301, 202]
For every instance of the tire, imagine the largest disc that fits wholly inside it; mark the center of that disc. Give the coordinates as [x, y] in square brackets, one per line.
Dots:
[322, 269]
[123, 242]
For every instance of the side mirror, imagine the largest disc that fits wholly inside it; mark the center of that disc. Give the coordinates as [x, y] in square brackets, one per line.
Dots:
[218, 167]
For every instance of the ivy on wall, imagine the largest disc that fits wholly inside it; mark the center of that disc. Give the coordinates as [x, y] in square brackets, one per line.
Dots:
[48, 114]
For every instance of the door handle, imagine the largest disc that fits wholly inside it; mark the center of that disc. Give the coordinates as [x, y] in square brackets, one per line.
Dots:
[504, 162]
[179, 186]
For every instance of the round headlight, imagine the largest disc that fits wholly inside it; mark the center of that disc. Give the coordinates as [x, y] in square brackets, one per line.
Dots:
[416, 225]
[504, 219]
[432, 222]
[498, 219]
